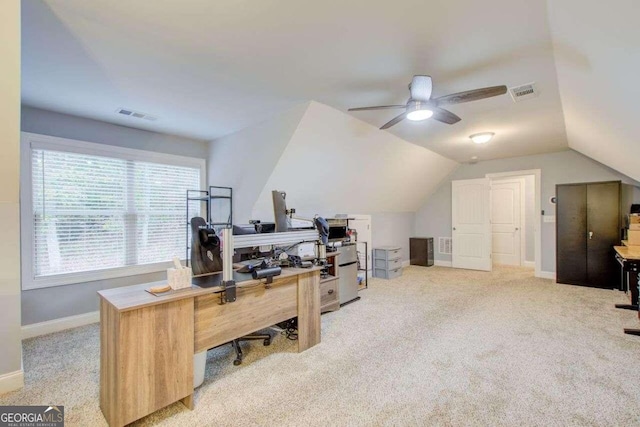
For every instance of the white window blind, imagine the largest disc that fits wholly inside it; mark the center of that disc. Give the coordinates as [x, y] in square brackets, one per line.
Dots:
[94, 212]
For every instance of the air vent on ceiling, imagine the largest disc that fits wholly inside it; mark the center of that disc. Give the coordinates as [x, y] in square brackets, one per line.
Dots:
[136, 114]
[523, 92]
[444, 245]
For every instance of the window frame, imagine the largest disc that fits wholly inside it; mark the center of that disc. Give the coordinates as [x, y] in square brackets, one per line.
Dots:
[30, 141]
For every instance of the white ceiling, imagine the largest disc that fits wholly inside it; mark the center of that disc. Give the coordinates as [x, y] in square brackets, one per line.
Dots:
[207, 69]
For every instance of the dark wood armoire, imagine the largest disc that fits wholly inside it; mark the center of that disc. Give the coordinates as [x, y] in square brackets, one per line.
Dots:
[587, 228]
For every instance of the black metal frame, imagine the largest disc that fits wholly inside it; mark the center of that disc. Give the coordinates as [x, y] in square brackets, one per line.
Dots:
[366, 263]
[206, 196]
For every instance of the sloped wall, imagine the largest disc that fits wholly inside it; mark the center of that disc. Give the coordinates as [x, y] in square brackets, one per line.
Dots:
[328, 162]
[336, 163]
[244, 160]
[597, 60]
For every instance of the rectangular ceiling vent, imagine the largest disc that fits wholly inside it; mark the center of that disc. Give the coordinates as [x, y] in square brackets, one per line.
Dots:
[136, 114]
[524, 92]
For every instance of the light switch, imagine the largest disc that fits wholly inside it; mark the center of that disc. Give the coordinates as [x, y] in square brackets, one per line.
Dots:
[549, 218]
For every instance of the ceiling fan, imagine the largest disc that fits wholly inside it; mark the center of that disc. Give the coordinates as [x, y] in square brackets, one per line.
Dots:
[420, 106]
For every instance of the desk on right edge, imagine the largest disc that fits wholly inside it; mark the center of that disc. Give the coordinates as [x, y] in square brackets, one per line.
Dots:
[629, 259]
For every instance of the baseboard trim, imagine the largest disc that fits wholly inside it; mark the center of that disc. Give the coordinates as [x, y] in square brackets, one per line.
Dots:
[406, 263]
[547, 275]
[57, 325]
[530, 264]
[11, 381]
[442, 263]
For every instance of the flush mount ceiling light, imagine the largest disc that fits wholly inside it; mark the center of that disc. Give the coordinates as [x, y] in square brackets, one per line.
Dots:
[482, 138]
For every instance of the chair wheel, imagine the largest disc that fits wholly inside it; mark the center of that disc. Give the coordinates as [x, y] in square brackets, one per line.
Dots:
[237, 362]
[266, 342]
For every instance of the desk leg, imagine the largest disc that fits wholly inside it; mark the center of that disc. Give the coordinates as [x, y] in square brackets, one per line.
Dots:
[308, 310]
[188, 401]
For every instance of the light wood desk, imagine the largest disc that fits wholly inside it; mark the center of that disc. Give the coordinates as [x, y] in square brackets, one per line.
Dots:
[147, 342]
[628, 252]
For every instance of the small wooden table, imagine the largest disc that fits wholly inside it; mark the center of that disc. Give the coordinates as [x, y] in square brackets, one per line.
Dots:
[147, 342]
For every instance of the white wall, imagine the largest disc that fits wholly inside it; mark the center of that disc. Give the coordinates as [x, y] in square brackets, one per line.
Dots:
[392, 228]
[597, 60]
[434, 217]
[336, 163]
[39, 305]
[47, 122]
[10, 335]
[327, 162]
[245, 159]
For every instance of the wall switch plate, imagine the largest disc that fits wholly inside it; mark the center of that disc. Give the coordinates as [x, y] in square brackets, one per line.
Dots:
[549, 218]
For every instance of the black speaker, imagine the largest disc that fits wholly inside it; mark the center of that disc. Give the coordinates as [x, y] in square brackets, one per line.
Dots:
[264, 273]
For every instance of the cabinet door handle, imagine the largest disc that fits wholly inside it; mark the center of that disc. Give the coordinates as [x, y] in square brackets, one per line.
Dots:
[590, 235]
[454, 228]
[330, 291]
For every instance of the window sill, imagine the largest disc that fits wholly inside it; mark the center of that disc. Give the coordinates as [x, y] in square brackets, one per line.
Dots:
[30, 283]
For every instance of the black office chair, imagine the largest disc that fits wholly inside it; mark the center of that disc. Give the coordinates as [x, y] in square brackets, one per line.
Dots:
[257, 272]
[236, 344]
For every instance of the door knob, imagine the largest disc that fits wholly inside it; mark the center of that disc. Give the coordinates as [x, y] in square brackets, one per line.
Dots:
[590, 235]
[517, 229]
[454, 228]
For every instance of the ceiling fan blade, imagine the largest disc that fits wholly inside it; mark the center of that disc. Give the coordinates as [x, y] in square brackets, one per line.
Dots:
[471, 95]
[394, 121]
[445, 116]
[420, 88]
[380, 107]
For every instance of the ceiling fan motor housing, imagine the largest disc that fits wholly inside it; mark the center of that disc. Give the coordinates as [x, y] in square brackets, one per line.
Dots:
[413, 105]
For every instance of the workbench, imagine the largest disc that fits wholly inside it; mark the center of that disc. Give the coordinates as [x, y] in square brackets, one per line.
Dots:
[148, 342]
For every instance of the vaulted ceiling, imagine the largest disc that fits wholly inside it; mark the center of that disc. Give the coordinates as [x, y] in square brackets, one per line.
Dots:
[207, 69]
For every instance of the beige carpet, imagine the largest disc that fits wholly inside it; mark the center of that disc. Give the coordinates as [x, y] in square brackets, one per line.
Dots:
[436, 347]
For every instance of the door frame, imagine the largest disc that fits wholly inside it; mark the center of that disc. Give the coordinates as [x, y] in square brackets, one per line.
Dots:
[537, 217]
[523, 237]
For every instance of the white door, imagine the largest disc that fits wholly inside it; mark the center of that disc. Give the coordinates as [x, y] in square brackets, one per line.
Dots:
[506, 224]
[471, 234]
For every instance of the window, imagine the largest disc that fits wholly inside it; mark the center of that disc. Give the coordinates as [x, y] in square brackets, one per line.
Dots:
[96, 212]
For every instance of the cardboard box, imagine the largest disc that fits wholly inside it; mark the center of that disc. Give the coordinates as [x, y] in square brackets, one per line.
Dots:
[634, 226]
[634, 219]
[633, 237]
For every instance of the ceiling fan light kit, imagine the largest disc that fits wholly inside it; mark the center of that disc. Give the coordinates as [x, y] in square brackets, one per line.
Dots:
[421, 106]
[418, 115]
[482, 138]
[417, 111]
